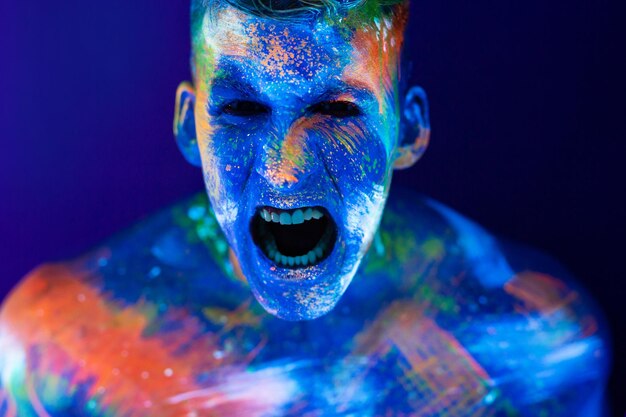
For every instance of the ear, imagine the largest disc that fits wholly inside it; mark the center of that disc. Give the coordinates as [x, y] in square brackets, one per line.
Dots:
[415, 129]
[185, 124]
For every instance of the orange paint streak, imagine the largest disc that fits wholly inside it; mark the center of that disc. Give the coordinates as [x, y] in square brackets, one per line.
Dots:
[438, 362]
[344, 136]
[181, 110]
[408, 155]
[540, 292]
[108, 346]
[205, 131]
[376, 56]
[286, 164]
[238, 273]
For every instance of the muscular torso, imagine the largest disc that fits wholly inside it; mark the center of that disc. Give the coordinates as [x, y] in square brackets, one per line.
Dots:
[440, 321]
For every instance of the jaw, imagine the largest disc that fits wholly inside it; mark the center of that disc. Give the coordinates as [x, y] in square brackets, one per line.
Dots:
[295, 271]
[300, 271]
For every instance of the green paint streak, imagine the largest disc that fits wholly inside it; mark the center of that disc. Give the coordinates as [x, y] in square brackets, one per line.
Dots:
[433, 248]
[358, 17]
[197, 219]
[203, 58]
[439, 302]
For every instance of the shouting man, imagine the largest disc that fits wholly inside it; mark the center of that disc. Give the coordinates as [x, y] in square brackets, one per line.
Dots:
[288, 292]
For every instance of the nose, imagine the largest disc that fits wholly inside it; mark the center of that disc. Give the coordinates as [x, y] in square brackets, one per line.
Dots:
[287, 162]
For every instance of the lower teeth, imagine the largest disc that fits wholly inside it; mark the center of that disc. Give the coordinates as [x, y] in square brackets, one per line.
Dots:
[310, 258]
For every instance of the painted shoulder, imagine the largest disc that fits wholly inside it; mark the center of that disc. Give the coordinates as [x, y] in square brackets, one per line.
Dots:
[60, 313]
[517, 312]
[416, 227]
[174, 256]
[438, 284]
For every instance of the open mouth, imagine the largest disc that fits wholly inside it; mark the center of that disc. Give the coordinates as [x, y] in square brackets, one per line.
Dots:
[294, 238]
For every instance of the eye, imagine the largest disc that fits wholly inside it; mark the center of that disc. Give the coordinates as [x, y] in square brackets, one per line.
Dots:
[245, 108]
[339, 109]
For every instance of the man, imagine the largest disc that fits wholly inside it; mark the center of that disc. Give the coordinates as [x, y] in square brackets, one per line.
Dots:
[287, 292]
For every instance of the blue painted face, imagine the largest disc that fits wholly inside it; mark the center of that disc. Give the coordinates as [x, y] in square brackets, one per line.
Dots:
[297, 131]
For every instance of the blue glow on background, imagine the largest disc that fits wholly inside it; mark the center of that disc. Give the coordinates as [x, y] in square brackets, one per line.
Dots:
[527, 108]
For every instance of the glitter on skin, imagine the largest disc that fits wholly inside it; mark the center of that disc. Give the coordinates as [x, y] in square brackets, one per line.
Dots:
[440, 344]
[292, 158]
[440, 320]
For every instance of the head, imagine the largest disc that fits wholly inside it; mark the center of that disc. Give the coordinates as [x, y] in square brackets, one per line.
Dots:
[297, 117]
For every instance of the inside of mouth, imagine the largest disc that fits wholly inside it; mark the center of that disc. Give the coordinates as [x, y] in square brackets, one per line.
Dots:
[294, 238]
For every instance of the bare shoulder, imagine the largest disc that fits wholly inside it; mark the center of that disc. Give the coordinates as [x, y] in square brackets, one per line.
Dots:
[172, 251]
[62, 319]
[537, 336]
[34, 333]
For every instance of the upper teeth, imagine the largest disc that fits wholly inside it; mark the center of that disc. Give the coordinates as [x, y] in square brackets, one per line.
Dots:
[291, 217]
[310, 258]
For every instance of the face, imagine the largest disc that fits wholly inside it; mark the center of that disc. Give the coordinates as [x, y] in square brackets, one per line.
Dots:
[297, 129]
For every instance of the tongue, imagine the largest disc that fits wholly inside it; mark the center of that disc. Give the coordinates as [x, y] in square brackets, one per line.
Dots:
[298, 239]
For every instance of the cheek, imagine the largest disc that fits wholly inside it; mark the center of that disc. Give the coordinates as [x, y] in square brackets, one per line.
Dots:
[357, 157]
[233, 154]
[226, 159]
[363, 215]
[225, 150]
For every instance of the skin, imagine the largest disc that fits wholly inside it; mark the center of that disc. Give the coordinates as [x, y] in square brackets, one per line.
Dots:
[441, 320]
[288, 153]
[181, 316]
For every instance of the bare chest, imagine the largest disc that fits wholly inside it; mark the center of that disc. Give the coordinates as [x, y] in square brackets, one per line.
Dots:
[136, 361]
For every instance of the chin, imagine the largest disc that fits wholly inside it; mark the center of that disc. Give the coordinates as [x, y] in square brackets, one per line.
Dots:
[297, 260]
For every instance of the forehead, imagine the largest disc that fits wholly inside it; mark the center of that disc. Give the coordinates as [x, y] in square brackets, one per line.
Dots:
[296, 56]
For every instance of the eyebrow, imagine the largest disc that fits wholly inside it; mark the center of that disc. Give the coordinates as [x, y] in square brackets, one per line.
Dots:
[230, 83]
[359, 92]
[223, 85]
[232, 79]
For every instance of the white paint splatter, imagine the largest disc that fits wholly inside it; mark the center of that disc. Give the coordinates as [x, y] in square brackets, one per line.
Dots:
[263, 391]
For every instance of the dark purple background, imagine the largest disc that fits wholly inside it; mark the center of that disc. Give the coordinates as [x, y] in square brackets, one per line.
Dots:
[528, 116]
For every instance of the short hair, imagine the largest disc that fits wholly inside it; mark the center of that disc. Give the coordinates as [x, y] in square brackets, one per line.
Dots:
[292, 10]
